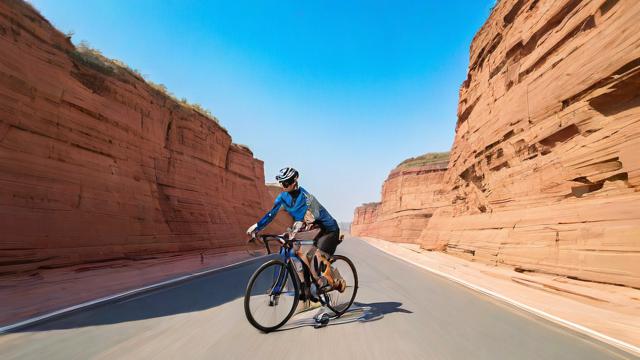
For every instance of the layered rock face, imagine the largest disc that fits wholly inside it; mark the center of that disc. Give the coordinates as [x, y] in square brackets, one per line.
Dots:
[545, 167]
[410, 195]
[97, 164]
[544, 173]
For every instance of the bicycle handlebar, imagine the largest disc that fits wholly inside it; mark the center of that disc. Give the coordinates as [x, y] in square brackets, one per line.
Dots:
[282, 239]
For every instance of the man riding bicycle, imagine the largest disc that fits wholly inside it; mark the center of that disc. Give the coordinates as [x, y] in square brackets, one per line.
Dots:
[307, 212]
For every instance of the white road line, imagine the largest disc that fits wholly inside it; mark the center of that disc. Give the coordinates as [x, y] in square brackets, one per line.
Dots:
[576, 327]
[7, 328]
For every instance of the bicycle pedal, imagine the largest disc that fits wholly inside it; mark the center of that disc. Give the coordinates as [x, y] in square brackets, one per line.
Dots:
[321, 320]
[319, 325]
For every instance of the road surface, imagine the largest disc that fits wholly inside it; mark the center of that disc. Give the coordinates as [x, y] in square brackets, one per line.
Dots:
[401, 312]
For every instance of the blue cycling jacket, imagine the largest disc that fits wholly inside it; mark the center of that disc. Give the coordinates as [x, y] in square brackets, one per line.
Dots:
[303, 207]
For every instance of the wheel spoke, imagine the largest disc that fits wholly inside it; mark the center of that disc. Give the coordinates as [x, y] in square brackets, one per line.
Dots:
[264, 310]
[338, 301]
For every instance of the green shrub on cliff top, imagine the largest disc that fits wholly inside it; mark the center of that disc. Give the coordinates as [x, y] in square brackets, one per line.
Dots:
[428, 158]
[371, 204]
[94, 58]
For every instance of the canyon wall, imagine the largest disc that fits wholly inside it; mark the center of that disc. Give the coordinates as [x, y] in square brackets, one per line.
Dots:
[96, 163]
[544, 173]
[410, 195]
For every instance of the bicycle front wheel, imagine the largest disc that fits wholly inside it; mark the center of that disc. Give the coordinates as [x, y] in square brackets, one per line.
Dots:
[340, 301]
[272, 296]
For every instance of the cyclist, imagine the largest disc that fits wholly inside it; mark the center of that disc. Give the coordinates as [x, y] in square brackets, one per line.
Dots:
[306, 212]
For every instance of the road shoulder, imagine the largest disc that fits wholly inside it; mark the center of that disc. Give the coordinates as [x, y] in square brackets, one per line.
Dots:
[607, 312]
[28, 296]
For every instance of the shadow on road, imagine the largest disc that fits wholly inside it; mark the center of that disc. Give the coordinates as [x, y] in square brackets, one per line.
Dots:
[192, 295]
[358, 313]
[384, 308]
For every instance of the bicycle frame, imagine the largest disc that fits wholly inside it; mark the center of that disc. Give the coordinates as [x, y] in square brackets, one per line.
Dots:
[270, 282]
[286, 253]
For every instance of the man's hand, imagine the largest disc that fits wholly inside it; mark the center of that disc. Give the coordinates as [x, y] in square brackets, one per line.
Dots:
[252, 230]
[295, 228]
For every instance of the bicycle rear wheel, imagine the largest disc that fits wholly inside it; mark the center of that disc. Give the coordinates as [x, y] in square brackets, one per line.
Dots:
[338, 301]
[271, 297]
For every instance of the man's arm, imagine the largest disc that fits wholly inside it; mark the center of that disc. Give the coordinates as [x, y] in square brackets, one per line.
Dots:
[277, 204]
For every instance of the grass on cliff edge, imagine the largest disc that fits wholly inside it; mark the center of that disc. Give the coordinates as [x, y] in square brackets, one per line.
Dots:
[95, 59]
[422, 160]
[371, 204]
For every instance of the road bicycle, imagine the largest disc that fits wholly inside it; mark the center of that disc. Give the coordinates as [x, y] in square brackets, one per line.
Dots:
[276, 287]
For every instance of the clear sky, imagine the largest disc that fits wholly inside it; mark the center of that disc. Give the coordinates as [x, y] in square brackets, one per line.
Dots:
[341, 90]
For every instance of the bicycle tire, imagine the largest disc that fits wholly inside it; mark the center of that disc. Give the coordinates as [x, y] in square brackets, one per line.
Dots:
[289, 277]
[339, 310]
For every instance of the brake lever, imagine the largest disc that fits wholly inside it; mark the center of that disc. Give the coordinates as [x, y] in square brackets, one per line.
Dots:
[288, 236]
[255, 239]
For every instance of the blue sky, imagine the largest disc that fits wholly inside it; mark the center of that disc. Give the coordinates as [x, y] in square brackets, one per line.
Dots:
[341, 90]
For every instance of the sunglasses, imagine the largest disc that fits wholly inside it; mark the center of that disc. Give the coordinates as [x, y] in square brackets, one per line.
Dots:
[287, 183]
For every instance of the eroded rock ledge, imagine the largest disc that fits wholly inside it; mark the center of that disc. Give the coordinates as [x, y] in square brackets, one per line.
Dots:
[545, 169]
[97, 164]
[410, 195]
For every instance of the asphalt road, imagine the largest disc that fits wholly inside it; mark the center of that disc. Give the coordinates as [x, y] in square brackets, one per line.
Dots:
[401, 312]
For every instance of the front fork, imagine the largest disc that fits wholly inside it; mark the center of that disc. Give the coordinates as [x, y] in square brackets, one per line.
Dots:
[273, 300]
[280, 280]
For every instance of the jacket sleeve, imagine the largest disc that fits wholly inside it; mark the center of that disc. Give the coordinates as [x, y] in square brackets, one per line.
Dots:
[271, 214]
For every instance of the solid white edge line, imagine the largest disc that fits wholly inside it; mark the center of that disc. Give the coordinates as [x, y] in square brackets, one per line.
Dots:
[7, 328]
[579, 328]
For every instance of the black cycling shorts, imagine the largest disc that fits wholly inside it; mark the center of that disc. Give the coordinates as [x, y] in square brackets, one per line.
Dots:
[327, 241]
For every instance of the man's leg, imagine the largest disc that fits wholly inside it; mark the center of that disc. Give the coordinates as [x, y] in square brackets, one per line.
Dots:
[327, 244]
[307, 258]
[306, 276]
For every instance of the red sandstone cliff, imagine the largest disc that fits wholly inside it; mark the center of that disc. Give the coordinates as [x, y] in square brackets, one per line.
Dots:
[545, 169]
[97, 164]
[410, 195]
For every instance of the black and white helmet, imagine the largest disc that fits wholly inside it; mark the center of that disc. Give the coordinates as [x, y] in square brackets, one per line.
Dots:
[287, 175]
